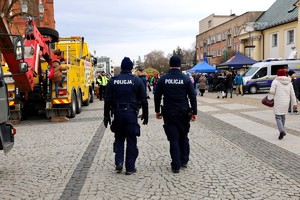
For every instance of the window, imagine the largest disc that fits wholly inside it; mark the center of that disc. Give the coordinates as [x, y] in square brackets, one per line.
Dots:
[290, 37]
[229, 42]
[209, 24]
[229, 31]
[236, 31]
[236, 48]
[219, 37]
[261, 73]
[275, 68]
[274, 40]
[224, 35]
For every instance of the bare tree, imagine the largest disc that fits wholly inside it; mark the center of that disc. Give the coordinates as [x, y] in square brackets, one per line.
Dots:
[157, 60]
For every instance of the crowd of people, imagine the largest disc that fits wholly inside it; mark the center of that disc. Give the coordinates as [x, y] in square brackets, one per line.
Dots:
[219, 82]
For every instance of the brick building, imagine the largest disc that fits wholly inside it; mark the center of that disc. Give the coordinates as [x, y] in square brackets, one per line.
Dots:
[218, 42]
[17, 26]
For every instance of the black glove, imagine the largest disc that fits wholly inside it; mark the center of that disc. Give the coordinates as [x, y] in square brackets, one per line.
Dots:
[106, 120]
[145, 118]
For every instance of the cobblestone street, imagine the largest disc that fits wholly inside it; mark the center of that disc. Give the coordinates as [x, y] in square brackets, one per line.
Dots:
[235, 154]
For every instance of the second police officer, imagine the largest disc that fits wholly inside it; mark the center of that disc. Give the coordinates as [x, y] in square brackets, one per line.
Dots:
[178, 92]
[124, 95]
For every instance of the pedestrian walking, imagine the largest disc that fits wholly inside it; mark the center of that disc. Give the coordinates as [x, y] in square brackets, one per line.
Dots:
[202, 84]
[238, 81]
[178, 91]
[228, 84]
[221, 86]
[102, 82]
[142, 76]
[196, 82]
[210, 82]
[124, 95]
[295, 84]
[283, 92]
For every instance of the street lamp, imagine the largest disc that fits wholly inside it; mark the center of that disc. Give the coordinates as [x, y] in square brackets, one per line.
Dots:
[24, 8]
[41, 9]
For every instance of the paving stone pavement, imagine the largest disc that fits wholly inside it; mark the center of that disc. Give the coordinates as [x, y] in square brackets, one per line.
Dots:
[75, 160]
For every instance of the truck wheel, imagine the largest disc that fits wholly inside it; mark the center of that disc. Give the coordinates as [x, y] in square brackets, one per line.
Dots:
[253, 89]
[79, 102]
[73, 105]
[49, 32]
[87, 102]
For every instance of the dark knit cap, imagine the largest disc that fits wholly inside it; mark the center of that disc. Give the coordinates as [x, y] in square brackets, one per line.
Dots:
[126, 64]
[291, 72]
[175, 61]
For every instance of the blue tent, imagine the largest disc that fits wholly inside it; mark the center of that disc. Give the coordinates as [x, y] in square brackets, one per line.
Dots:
[237, 61]
[202, 67]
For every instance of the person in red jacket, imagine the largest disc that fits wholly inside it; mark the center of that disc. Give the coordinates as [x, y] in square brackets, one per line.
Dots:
[58, 77]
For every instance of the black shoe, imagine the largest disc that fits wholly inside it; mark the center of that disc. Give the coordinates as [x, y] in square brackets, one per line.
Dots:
[184, 165]
[281, 135]
[130, 172]
[175, 171]
[119, 168]
[218, 97]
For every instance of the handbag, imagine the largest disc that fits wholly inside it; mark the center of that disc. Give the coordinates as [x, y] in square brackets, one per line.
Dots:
[267, 102]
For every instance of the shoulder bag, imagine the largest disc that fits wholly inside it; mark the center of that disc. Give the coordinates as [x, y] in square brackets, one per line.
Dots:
[267, 102]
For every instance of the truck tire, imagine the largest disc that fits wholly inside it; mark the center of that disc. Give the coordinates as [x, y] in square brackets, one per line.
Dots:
[79, 102]
[49, 32]
[87, 102]
[73, 105]
[253, 89]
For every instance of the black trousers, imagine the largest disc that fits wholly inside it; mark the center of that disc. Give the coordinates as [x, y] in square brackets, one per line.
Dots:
[177, 127]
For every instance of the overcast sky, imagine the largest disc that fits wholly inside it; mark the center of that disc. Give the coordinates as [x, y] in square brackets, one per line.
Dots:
[132, 28]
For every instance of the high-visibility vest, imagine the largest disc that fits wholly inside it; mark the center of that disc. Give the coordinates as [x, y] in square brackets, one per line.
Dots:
[103, 80]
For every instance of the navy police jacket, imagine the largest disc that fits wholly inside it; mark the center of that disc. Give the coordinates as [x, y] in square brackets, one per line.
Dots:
[123, 89]
[177, 90]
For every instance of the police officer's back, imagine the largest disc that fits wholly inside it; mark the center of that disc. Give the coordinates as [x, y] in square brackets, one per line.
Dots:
[178, 96]
[125, 94]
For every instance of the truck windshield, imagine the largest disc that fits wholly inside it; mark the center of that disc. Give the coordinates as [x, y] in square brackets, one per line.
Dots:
[250, 71]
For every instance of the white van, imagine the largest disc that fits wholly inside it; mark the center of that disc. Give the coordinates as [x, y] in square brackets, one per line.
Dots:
[260, 75]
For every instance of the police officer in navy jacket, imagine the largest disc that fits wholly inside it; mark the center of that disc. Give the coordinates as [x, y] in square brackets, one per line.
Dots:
[124, 95]
[179, 107]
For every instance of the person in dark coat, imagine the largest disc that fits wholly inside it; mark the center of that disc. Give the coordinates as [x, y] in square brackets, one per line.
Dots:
[178, 94]
[292, 75]
[215, 82]
[210, 82]
[228, 84]
[124, 95]
[221, 86]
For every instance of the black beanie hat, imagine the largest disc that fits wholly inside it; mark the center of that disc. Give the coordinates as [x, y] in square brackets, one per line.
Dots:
[175, 61]
[291, 72]
[126, 64]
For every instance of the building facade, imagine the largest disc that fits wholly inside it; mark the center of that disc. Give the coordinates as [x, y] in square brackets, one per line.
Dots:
[17, 26]
[220, 42]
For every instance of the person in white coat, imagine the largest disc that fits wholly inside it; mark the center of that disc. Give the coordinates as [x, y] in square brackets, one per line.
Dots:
[283, 92]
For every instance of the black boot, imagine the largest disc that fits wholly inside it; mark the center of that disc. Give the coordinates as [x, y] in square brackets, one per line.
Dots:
[281, 135]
